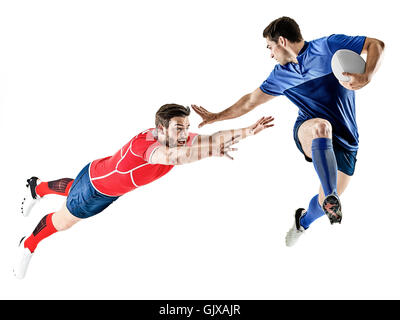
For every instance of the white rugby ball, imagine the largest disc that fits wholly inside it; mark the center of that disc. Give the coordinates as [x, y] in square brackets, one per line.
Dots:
[346, 61]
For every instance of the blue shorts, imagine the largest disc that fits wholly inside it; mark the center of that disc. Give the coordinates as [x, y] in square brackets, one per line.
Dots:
[346, 160]
[84, 200]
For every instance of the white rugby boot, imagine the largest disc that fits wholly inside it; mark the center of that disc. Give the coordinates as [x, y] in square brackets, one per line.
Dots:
[23, 258]
[31, 198]
[293, 235]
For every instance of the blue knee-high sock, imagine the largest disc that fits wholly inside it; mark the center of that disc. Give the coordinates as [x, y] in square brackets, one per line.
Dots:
[314, 211]
[324, 161]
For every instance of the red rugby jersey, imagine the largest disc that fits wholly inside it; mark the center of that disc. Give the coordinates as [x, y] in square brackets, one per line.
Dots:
[129, 168]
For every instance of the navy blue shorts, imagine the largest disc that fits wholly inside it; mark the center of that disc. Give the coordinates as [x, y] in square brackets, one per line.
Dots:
[346, 160]
[84, 200]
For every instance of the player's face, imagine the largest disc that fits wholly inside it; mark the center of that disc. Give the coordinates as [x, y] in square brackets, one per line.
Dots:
[178, 131]
[278, 51]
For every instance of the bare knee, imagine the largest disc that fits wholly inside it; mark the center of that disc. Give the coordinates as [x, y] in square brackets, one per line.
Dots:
[64, 225]
[322, 129]
[63, 219]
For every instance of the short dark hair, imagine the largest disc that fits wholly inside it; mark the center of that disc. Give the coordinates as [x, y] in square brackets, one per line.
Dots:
[285, 27]
[169, 111]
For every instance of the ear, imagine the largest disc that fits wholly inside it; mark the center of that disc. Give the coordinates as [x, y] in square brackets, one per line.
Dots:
[161, 129]
[282, 41]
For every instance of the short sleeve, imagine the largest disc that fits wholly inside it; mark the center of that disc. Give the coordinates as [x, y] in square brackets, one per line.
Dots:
[271, 85]
[341, 41]
[144, 145]
[191, 138]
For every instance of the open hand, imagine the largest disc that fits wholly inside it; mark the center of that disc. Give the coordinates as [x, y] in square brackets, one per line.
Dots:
[221, 149]
[263, 123]
[207, 116]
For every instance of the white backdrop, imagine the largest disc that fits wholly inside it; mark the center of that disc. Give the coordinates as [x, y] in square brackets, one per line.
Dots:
[78, 79]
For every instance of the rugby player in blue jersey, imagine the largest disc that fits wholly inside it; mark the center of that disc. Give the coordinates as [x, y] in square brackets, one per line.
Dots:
[326, 129]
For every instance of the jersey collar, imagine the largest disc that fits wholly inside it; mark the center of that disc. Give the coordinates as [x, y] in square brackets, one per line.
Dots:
[306, 43]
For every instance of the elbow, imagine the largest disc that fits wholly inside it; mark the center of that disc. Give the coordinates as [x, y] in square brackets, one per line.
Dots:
[379, 43]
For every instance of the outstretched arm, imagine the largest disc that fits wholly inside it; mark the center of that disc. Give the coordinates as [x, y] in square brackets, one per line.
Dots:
[237, 134]
[374, 49]
[245, 104]
[187, 154]
[218, 144]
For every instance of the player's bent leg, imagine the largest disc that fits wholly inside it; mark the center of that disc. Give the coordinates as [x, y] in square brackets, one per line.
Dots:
[60, 187]
[83, 201]
[317, 133]
[37, 189]
[57, 221]
[315, 136]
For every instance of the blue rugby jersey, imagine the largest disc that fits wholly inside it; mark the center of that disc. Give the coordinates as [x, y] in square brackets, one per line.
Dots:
[313, 88]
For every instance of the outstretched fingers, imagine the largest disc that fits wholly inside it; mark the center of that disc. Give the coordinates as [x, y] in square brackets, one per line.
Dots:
[263, 123]
[200, 110]
[196, 109]
[208, 117]
[225, 153]
[266, 123]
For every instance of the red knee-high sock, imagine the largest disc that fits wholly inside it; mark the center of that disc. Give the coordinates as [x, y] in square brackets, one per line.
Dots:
[60, 187]
[44, 229]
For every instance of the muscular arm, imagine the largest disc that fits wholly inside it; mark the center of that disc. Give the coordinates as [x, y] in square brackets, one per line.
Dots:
[187, 154]
[217, 144]
[374, 49]
[245, 104]
[224, 136]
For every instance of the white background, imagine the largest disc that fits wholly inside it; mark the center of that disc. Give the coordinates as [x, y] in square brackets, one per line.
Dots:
[78, 79]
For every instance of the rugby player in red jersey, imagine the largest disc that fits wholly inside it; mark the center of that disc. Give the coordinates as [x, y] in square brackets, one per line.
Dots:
[145, 158]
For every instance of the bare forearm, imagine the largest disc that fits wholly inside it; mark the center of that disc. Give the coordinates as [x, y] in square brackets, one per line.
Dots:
[245, 104]
[241, 107]
[184, 155]
[226, 135]
[218, 144]
[374, 58]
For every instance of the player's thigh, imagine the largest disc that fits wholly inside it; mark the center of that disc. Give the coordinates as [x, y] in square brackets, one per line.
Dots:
[343, 181]
[311, 129]
[63, 218]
